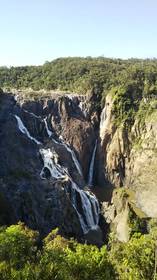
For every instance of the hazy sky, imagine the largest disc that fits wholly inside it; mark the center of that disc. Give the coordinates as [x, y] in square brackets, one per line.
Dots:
[33, 31]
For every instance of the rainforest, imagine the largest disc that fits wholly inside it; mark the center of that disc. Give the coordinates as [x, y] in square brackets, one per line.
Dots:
[78, 170]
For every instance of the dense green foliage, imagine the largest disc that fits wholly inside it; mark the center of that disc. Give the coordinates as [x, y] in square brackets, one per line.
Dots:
[80, 74]
[129, 81]
[22, 258]
[72, 74]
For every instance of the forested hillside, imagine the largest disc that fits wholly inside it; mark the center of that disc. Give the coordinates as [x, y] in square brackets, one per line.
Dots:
[82, 74]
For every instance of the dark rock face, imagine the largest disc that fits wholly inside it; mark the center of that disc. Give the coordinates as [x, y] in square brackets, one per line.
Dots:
[68, 117]
[45, 152]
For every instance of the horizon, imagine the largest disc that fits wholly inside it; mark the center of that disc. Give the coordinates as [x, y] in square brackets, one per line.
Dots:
[84, 57]
[35, 32]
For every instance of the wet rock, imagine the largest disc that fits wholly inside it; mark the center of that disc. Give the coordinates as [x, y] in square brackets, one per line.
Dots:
[47, 193]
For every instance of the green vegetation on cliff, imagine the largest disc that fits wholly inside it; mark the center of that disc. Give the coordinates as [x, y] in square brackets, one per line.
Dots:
[23, 257]
[129, 81]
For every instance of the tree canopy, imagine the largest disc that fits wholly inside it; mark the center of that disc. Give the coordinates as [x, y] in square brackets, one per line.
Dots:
[23, 257]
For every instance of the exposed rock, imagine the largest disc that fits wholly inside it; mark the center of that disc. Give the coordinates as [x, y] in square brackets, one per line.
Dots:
[141, 169]
[117, 215]
[112, 148]
[68, 117]
[128, 157]
[45, 151]
[108, 211]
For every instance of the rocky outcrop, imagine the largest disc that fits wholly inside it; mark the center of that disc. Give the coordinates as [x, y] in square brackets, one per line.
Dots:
[45, 151]
[117, 215]
[123, 215]
[129, 156]
[113, 147]
[141, 169]
[69, 117]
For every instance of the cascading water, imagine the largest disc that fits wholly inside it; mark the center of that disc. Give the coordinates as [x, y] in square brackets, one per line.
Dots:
[88, 210]
[50, 160]
[75, 160]
[49, 132]
[32, 114]
[87, 207]
[24, 130]
[103, 117]
[84, 203]
[91, 167]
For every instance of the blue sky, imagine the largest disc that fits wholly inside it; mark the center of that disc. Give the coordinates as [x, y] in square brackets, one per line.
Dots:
[34, 31]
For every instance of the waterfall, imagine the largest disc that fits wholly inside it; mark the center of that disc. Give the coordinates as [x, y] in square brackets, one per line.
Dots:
[50, 159]
[74, 158]
[88, 211]
[84, 203]
[24, 130]
[103, 117]
[49, 132]
[32, 114]
[91, 167]
[83, 107]
[85, 206]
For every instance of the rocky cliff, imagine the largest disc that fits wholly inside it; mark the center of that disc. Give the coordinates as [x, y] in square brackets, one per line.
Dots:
[128, 158]
[46, 148]
[53, 149]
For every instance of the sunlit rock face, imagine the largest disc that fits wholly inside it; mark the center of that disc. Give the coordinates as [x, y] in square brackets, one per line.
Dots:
[46, 148]
[127, 156]
[141, 167]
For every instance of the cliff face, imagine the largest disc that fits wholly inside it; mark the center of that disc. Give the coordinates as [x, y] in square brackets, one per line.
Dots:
[45, 151]
[48, 148]
[141, 168]
[129, 158]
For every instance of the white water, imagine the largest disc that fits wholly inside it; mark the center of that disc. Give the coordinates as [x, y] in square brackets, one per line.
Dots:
[74, 158]
[25, 131]
[50, 160]
[87, 207]
[103, 117]
[88, 210]
[83, 108]
[49, 132]
[89, 216]
[91, 168]
[76, 162]
[106, 118]
[91, 210]
[16, 96]
[32, 114]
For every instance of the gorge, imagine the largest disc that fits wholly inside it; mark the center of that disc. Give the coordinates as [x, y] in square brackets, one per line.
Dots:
[44, 183]
[55, 149]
